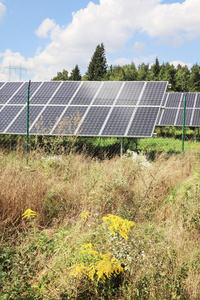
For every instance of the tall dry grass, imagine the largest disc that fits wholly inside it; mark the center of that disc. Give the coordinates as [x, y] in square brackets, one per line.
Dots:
[70, 184]
[162, 198]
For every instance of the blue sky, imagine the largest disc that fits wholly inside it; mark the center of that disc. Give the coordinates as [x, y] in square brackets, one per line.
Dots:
[47, 36]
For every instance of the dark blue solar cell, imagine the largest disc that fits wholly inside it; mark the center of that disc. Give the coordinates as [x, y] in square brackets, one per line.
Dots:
[8, 90]
[94, 120]
[188, 115]
[168, 117]
[143, 122]
[70, 120]
[130, 93]
[65, 92]
[190, 99]
[19, 126]
[174, 100]
[7, 114]
[47, 120]
[153, 93]
[197, 105]
[86, 93]
[108, 93]
[159, 118]
[45, 92]
[164, 99]
[118, 121]
[1, 84]
[196, 118]
[21, 96]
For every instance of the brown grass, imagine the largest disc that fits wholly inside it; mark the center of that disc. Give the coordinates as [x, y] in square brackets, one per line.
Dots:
[162, 200]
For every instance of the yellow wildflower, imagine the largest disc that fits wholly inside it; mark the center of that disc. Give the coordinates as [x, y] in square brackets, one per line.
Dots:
[28, 214]
[85, 215]
[117, 224]
[88, 248]
[78, 270]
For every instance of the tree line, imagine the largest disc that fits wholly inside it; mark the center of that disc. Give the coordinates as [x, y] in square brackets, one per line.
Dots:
[181, 77]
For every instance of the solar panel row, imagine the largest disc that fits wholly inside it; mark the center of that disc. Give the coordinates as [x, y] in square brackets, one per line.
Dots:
[85, 108]
[172, 114]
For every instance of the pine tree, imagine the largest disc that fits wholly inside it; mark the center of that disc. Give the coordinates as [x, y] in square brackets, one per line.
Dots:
[75, 74]
[98, 65]
[155, 70]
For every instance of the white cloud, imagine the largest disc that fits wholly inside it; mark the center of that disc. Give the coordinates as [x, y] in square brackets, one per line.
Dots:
[175, 63]
[2, 10]
[47, 26]
[173, 20]
[113, 22]
[139, 47]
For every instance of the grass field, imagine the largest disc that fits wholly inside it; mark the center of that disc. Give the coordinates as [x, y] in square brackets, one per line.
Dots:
[82, 243]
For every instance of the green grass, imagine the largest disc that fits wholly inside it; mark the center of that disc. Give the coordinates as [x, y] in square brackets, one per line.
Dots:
[160, 257]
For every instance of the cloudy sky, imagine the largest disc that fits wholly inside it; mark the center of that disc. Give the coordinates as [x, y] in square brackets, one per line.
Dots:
[47, 36]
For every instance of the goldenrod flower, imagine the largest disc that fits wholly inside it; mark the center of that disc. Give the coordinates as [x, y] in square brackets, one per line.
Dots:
[28, 214]
[102, 265]
[85, 215]
[117, 224]
[88, 248]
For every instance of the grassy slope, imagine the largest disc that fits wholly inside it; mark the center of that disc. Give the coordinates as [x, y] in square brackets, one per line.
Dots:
[161, 257]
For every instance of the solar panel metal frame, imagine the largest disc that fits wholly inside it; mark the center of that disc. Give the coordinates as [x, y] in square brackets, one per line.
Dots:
[98, 90]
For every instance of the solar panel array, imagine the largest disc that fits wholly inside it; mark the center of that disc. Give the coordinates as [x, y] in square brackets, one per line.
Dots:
[172, 112]
[94, 108]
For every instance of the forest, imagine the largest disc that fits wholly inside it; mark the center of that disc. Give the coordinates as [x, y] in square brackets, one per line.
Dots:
[181, 78]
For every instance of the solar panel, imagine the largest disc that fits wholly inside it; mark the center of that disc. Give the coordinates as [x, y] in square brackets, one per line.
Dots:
[94, 120]
[188, 116]
[190, 100]
[169, 117]
[174, 99]
[108, 93]
[86, 93]
[118, 121]
[196, 118]
[21, 96]
[197, 105]
[8, 90]
[130, 93]
[7, 114]
[19, 126]
[143, 122]
[45, 92]
[47, 119]
[84, 108]
[153, 93]
[70, 120]
[65, 93]
[172, 115]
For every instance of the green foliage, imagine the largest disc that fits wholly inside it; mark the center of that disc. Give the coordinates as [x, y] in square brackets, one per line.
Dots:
[75, 74]
[195, 78]
[155, 71]
[98, 65]
[61, 76]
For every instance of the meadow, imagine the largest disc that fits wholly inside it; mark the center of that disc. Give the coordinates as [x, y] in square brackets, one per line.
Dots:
[75, 226]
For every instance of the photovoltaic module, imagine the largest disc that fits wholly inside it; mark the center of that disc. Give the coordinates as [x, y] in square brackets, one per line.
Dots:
[84, 108]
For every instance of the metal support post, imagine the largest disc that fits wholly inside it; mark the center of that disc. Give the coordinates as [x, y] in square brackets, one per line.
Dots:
[183, 133]
[27, 122]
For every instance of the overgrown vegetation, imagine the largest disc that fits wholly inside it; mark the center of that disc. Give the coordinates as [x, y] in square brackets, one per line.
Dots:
[69, 210]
